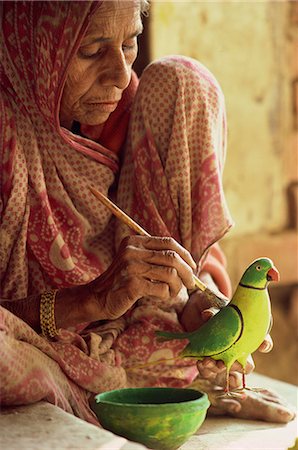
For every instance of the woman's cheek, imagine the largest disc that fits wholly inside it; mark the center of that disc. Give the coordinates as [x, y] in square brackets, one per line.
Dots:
[77, 74]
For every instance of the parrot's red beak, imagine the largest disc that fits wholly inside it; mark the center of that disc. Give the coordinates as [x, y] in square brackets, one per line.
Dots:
[273, 274]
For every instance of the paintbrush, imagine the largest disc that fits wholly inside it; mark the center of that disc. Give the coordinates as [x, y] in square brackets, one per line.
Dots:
[215, 300]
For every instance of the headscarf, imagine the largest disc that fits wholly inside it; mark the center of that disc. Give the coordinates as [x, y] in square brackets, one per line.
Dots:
[53, 232]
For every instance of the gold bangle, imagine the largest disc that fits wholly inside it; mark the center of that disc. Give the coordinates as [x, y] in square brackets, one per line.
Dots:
[47, 314]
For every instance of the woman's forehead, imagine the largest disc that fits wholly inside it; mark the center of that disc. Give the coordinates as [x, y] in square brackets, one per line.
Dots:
[115, 13]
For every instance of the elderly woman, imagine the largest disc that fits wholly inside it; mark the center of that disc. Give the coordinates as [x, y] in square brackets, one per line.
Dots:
[82, 297]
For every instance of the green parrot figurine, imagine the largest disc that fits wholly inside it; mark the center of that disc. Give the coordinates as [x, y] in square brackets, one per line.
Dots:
[238, 329]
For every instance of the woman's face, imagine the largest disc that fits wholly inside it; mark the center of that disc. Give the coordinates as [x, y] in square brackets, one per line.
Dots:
[101, 69]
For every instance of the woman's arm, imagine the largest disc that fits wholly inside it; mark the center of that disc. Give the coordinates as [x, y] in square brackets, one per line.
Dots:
[143, 266]
[67, 308]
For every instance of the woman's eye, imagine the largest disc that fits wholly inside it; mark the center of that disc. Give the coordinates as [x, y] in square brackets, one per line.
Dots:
[128, 46]
[94, 51]
[89, 52]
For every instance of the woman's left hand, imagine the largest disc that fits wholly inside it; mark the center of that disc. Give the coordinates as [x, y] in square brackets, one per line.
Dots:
[215, 371]
[199, 308]
[262, 404]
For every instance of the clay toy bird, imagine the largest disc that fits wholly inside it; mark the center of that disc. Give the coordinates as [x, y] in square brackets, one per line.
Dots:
[238, 329]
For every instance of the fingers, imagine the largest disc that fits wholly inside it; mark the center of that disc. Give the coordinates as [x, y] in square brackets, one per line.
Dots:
[270, 396]
[191, 317]
[258, 406]
[224, 406]
[120, 299]
[263, 405]
[208, 313]
[168, 243]
[155, 274]
[172, 259]
[197, 311]
[161, 252]
[210, 369]
[144, 266]
[250, 365]
[266, 345]
[215, 372]
[235, 379]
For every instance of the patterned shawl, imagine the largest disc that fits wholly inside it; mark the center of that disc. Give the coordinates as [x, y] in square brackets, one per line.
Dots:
[53, 231]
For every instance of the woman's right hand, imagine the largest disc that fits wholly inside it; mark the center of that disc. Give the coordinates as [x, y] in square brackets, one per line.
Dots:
[143, 266]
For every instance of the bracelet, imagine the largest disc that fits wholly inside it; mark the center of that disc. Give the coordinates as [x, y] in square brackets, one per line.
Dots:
[47, 314]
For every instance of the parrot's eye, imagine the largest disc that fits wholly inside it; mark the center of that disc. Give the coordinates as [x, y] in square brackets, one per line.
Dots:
[258, 267]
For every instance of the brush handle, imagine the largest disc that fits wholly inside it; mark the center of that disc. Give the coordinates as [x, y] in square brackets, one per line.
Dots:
[132, 224]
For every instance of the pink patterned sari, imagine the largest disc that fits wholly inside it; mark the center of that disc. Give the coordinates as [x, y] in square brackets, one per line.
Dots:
[55, 234]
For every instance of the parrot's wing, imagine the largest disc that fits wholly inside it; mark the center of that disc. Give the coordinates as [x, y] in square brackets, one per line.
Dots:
[216, 335]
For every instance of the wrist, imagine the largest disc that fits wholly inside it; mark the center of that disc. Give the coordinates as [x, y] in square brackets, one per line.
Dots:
[69, 310]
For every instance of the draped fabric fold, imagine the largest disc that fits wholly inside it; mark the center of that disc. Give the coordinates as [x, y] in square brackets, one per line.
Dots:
[54, 233]
[171, 180]
[171, 183]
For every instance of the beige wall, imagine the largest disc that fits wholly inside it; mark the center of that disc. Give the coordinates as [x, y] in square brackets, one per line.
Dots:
[249, 46]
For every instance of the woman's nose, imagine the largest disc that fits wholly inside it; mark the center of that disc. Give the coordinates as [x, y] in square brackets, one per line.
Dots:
[119, 71]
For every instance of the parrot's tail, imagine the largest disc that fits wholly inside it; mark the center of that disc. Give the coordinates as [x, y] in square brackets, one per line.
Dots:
[167, 335]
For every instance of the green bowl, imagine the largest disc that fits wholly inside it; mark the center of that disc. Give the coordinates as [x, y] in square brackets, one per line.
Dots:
[160, 418]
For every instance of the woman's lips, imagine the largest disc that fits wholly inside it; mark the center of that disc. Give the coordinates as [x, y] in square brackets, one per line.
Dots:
[102, 106]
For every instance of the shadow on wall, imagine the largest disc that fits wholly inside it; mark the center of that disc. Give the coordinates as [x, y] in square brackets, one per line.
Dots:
[143, 58]
[282, 362]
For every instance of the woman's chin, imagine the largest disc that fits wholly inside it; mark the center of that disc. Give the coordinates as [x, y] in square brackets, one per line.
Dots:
[98, 120]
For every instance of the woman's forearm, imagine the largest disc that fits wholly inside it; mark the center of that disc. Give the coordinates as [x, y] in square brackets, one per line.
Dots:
[68, 308]
[26, 309]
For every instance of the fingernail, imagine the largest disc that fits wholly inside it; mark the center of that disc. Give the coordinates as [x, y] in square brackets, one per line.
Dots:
[209, 363]
[193, 264]
[283, 412]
